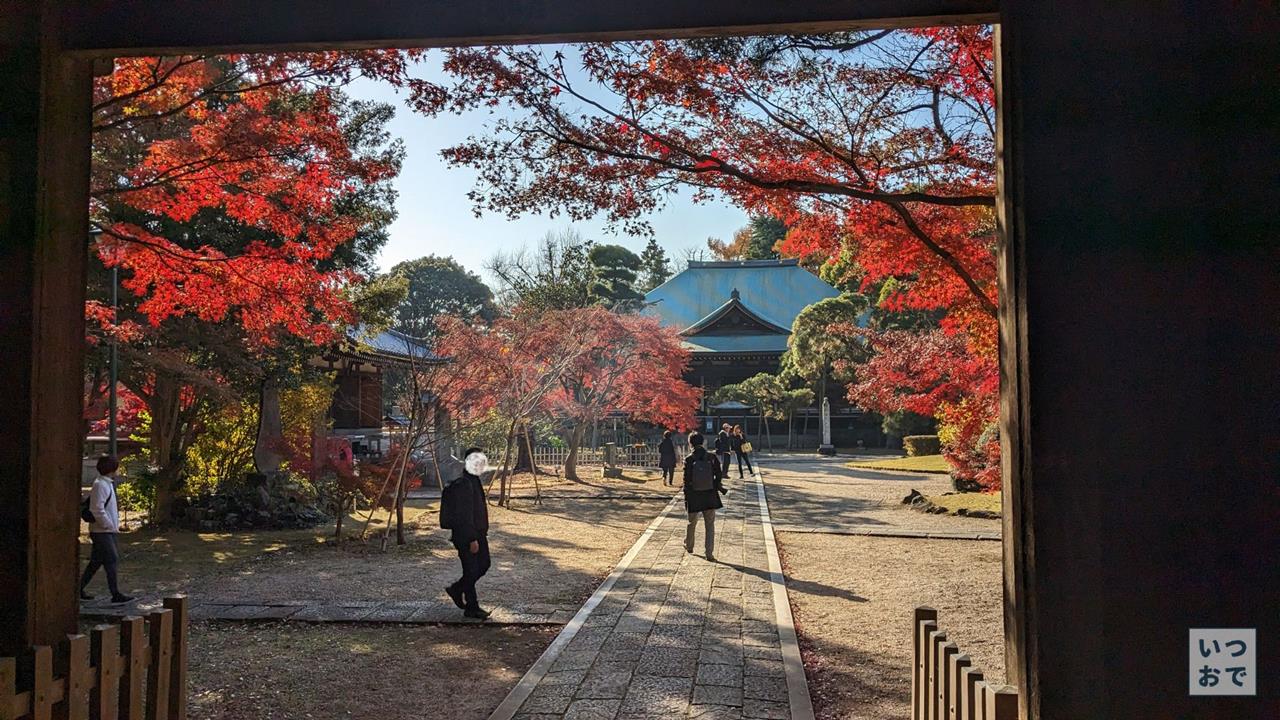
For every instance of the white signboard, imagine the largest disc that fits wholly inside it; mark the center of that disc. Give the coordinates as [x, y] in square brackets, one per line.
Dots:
[1223, 661]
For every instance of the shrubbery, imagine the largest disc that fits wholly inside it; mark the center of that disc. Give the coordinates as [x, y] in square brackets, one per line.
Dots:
[918, 445]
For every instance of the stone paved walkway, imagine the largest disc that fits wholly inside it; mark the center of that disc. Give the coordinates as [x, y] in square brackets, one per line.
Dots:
[671, 635]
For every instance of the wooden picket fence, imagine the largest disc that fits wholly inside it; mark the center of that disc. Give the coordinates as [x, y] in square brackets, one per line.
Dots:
[944, 683]
[118, 672]
[644, 456]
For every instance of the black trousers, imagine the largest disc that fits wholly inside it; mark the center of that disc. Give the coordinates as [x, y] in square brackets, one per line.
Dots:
[724, 462]
[103, 555]
[743, 456]
[669, 475]
[474, 566]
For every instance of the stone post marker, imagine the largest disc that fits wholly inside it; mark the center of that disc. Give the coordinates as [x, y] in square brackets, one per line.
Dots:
[611, 469]
[826, 448]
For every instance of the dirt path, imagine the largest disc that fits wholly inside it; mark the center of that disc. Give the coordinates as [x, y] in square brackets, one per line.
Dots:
[821, 493]
[287, 671]
[853, 596]
[556, 552]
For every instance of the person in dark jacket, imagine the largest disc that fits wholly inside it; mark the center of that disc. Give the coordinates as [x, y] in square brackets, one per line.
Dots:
[724, 443]
[703, 487]
[464, 512]
[667, 458]
[739, 439]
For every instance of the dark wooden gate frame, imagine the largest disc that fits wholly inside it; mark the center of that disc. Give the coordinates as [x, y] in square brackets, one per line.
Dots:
[50, 48]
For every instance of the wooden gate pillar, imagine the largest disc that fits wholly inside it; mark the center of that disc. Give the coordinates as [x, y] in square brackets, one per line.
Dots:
[44, 168]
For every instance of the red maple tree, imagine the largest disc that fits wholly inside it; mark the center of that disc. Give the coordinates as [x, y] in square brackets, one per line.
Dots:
[629, 364]
[874, 146]
[230, 192]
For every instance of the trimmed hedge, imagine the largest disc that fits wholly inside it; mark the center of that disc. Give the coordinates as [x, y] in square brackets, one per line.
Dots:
[917, 445]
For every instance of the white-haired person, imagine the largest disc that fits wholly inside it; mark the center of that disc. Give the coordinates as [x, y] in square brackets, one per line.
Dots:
[465, 513]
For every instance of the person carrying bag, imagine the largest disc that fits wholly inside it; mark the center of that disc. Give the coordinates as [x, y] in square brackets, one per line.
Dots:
[703, 487]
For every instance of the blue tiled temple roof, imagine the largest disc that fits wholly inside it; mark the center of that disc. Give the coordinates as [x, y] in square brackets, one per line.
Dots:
[774, 290]
[391, 344]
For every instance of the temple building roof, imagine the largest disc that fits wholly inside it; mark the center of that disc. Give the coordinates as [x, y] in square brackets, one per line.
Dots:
[743, 306]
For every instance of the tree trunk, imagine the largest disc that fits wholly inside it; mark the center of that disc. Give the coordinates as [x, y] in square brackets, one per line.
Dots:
[267, 455]
[533, 464]
[791, 427]
[768, 432]
[503, 491]
[524, 452]
[165, 404]
[342, 513]
[804, 430]
[576, 437]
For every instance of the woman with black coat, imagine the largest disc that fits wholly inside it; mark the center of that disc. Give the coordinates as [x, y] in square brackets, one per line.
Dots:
[702, 491]
[667, 459]
[739, 439]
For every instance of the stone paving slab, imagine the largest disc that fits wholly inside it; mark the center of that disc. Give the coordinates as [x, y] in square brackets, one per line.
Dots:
[671, 635]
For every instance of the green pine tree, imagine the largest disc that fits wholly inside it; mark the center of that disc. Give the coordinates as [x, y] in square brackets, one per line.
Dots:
[654, 267]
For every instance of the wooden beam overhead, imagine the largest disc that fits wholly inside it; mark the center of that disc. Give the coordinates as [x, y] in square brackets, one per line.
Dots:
[141, 27]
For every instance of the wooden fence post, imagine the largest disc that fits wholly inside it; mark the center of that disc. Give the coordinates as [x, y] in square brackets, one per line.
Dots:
[104, 701]
[160, 624]
[926, 620]
[79, 677]
[937, 639]
[969, 697]
[1002, 703]
[178, 672]
[8, 688]
[945, 653]
[42, 683]
[135, 666]
[958, 664]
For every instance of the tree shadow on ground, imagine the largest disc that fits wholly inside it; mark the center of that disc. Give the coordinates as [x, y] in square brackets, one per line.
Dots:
[803, 586]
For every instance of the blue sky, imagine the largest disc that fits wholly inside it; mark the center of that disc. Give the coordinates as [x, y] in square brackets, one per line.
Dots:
[435, 216]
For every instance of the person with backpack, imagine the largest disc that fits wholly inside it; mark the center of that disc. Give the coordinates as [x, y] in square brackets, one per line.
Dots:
[464, 512]
[100, 510]
[724, 444]
[667, 458]
[741, 450]
[702, 491]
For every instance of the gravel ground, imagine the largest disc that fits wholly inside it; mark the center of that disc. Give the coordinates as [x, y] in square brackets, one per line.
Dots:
[853, 599]
[554, 553]
[299, 671]
[812, 492]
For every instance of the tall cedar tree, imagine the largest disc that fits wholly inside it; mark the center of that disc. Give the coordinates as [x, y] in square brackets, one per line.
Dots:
[654, 266]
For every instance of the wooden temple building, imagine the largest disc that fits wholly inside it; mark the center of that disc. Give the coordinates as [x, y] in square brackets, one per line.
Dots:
[735, 317]
[359, 413]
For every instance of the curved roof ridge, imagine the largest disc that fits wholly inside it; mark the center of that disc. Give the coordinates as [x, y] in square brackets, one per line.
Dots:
[735, 301]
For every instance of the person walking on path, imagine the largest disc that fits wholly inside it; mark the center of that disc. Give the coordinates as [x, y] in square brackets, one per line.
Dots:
[742, 450]
[724, 443]
[667, 458]
[464, 512]
[703, 487]
[103, 516]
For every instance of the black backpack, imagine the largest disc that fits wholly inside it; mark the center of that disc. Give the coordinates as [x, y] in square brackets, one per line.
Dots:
[701, 475]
